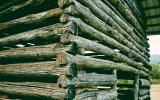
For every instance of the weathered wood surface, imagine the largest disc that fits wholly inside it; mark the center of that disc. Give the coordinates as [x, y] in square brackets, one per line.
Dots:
[144, 83]
[96, 95]
[136, 87]
[33, 69]
[102, 37]
[98, 48]
[33, 90]
[27, 7]
[145, 97]
[100, 14]
[102, 26]
[88, 62]
[34, 52]
[143, 91]
[88, 80]
[48, 33]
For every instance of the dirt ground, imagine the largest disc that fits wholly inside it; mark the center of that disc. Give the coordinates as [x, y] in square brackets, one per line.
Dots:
[155, 92]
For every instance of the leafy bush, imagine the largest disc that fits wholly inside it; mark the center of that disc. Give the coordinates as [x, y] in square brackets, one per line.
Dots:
[155, 73]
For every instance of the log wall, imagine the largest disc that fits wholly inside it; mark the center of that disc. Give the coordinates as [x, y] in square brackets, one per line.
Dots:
[73, 50]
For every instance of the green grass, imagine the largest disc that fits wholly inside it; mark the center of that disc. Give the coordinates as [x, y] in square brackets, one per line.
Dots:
[155, 74]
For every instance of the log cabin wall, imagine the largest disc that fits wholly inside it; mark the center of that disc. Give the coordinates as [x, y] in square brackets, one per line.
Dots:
[73, 50]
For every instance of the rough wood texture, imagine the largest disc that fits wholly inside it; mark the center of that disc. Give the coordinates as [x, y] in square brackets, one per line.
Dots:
[48, 33]
[33, 90]
[88, 80]
[136, 87]
[34, 69]
[144, 83]
[100, 49]
[100, 14]
[143, 91]
[145, 97]
[102, 37]
[96, 95]
[34, 52]
[88, 62]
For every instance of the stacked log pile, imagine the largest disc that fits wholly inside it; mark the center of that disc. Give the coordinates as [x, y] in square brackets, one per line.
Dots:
[72, 50]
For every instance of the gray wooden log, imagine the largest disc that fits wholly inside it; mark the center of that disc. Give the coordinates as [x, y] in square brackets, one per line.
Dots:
[34, 52]
[33, 89]
[126, 26]
[143, 91]
[34, 69]
[145, 97]
[99, 13]
[26, 5]
[88, 62]
[88, 80]
[98, 48]
[100, 25]
[136, 87]
[63, 3]
[144, 83]
[121, 8]
[51, 33]
[84, 28]
[96, 95]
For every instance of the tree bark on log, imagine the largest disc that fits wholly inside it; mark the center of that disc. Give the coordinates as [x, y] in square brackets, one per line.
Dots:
[96, 95]
[48, 33]
[88, 80]
[35, 52]
[99, 13]
[121, 8]
[144, 83]
[33, 90]
[84, 28]
[100, 49]
[27, 7]
[100, 25]
[33, 69]
[143, 91]
[88, 62]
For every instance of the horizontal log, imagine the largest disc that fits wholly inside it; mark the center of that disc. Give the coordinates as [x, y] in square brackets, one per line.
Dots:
[27, 7]
[48, 33]
[127, 14]
[88, 80]
[143, 91]
[102, 37]
[145, 97]
[144, 83]
[96, 95]
[101, 49]
[100, 25]
[33, 90]
[33, 70]
[88, 62]
[100, 14]
[34, 53]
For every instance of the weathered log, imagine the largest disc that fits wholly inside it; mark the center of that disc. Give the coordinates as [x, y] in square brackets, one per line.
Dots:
[48, 33]
[34, 53]
[100, 25]
[88, 62]
[121, 8]
[98, 48]
[47, 69]
[144, 83]
[118, 19]
[63, 3]
[136, 87]
[143, 91]
[96, 95]
[88, 80]
[27, 7]
[145, 97]
[99, 13]
[33, 90]
[101, 36]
